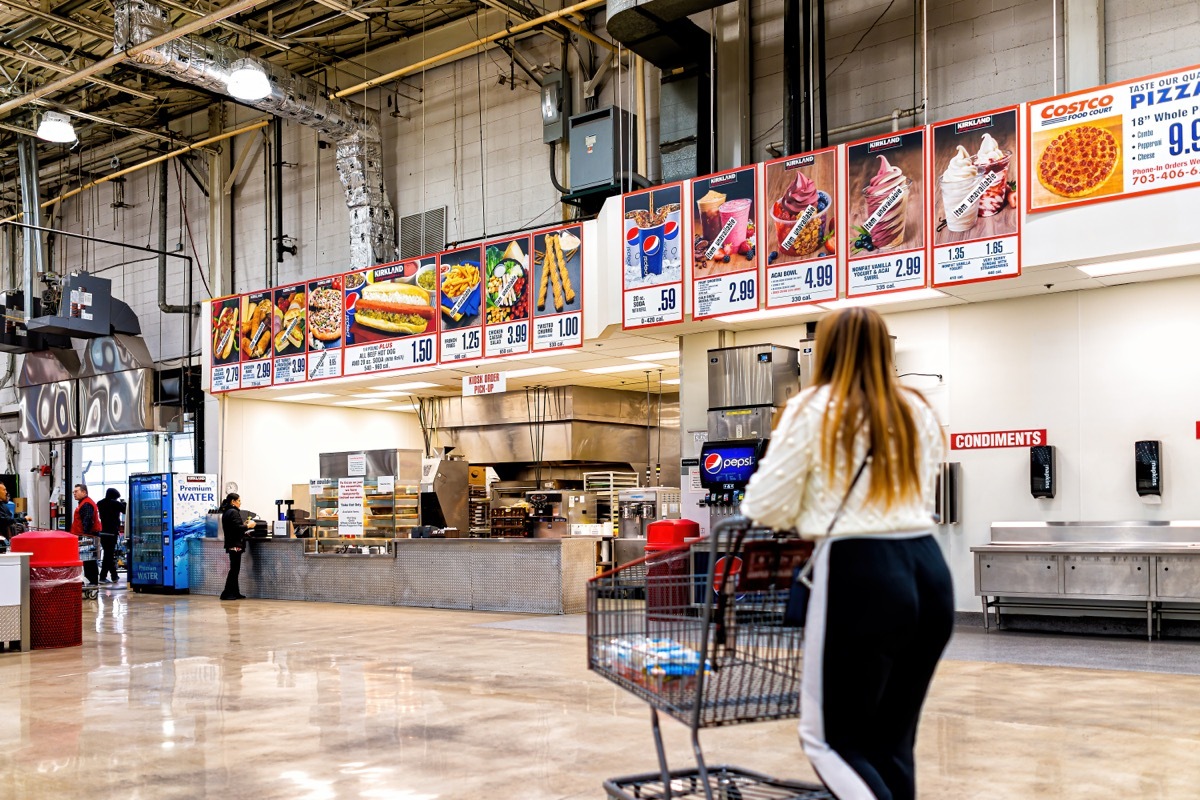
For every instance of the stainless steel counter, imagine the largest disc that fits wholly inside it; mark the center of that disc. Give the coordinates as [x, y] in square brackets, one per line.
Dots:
[537, 576]
[14, 602]
[1150, 567]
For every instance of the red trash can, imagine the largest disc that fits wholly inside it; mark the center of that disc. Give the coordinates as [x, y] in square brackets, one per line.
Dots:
[668, 567]
[55, 594]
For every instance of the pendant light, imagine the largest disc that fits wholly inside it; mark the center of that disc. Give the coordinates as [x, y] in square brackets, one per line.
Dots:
[247, 81]
[56, 127]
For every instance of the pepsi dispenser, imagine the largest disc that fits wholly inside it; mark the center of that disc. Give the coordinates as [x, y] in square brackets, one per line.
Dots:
[1041, 471]
[1148, 470]
[746, 387]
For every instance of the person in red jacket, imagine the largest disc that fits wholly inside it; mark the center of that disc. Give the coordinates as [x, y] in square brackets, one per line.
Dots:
[86, 521]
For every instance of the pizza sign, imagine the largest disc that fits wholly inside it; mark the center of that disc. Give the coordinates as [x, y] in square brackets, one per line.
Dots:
[1115, 141]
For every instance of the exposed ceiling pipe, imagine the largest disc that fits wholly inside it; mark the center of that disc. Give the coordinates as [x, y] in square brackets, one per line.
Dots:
[35, 256]
[148, 163]
[355, 129]
[61, 70]
[163, 305]
[102, 65]
[417, 67]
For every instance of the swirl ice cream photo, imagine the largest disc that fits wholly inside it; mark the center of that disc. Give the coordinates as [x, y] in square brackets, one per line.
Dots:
[886, 186]
[800, 228]
[958, 185]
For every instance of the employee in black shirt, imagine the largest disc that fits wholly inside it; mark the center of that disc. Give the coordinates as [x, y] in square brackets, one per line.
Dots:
[234, 529]
[111, 508]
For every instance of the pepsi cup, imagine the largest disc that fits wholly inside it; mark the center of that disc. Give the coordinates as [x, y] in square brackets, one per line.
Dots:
[672, 237]
[633, 242]
[652, 251]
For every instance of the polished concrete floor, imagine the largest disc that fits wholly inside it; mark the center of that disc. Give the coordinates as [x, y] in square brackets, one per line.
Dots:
[191, 697]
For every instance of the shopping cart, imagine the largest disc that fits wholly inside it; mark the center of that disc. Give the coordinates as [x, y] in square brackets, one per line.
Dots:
[701, 633]
[89, 554]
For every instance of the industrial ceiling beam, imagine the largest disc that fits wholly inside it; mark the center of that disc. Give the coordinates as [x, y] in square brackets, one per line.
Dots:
[411, 68]
[100, 66]
[61, 70]
[55, 19]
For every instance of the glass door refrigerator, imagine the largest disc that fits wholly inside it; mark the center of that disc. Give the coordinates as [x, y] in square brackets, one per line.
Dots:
[165, 510]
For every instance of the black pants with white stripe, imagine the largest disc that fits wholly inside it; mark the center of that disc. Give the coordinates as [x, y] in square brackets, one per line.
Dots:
[880, 614]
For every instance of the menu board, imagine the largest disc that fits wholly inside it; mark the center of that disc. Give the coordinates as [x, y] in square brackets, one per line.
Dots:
[976, 223]
[391, 317]
[507, 297]
[800, 230]
[258, 315]
[884, 238]
[226, 332]
[461, 299]
[558, 299]
[1115, 141]
[723, 255]
[652, 266]
[289, 332]
[326, 321]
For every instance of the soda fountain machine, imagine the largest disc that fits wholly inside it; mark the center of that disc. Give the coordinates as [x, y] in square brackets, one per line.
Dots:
[746, 387]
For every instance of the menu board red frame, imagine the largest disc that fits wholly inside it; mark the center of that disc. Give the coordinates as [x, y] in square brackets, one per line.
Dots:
[558, 321]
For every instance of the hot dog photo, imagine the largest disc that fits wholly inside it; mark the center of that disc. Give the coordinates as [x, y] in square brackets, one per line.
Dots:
[388, 302]
[226, 330]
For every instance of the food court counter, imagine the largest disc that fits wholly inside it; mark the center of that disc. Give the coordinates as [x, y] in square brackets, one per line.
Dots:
[536, 576]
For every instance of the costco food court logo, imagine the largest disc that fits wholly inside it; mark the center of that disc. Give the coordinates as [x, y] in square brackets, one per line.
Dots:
[715, 462]
[1077, 109]
[991, 439]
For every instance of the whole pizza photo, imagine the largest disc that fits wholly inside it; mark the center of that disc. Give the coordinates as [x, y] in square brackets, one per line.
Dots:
[1077, 162]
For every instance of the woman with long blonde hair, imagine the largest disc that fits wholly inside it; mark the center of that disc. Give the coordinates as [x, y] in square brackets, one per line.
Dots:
[853, 464]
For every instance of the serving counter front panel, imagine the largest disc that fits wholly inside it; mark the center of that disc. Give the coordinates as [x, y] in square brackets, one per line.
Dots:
[536, 576]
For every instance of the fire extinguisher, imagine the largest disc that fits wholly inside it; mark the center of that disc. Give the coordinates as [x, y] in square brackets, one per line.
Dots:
[53, 515]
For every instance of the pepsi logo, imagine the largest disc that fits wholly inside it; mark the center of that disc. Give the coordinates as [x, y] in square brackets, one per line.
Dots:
[631, 237]
[670, 229]
[651, 245]
[713, 462]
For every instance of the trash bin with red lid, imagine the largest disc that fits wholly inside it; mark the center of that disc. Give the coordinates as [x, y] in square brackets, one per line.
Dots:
[55, 598]
[668, 566]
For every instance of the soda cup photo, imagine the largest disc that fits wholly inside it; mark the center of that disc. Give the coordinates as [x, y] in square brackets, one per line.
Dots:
[652, 251]
[672, 230]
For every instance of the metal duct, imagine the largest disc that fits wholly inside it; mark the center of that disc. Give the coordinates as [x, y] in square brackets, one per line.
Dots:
[354, 129]
[660, 31]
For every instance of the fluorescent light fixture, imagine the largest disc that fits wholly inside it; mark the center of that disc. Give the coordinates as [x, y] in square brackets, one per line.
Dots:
[309, 396]
[387, 395]
[645, 365]
[671, 382]
[772, 313]
[884, 299]
[409, 409]
[531, 371]
[667, 356]
[56, 127]
[1184, 258]
[362, 401]
[247, 81]
[405, 387]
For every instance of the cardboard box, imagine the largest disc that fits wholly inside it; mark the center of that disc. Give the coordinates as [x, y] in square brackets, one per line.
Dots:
[21, 504]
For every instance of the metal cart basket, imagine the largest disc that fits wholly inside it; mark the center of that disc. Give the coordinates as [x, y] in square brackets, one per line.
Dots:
[701, 633]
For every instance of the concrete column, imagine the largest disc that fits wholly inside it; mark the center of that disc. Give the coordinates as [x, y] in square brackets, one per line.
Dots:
[731, 94]
[1083, 44]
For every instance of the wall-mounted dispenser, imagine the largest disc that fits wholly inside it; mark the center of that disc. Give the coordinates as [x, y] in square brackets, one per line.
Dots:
[1042, 480]
[1148, 470]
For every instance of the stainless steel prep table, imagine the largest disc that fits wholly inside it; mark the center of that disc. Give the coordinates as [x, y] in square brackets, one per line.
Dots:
[1112, 566]
[536, 576]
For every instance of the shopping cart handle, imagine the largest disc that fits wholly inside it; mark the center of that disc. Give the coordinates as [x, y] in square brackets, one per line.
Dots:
[732, 523]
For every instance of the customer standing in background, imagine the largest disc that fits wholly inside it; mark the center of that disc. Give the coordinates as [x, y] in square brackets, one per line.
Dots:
[853, 464]
[110, 508]
[86, 522]
[233, 527]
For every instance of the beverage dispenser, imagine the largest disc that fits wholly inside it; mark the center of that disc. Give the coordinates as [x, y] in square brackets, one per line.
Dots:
[746, 388]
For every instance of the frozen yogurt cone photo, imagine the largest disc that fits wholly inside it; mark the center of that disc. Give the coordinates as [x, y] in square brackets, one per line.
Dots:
[991, 158]
[959, 180]
[886, 208]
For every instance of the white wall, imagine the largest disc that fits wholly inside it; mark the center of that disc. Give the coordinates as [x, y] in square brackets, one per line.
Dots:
[1098, 369]
[268, 446]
